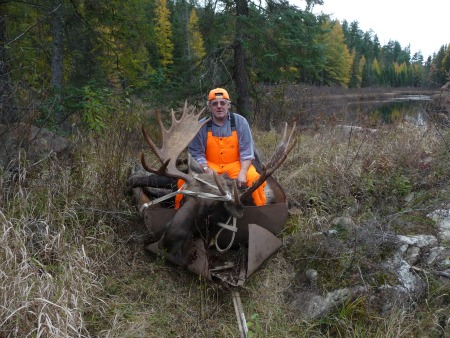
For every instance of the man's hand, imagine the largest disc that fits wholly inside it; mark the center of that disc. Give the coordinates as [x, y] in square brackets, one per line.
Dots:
[241, 180]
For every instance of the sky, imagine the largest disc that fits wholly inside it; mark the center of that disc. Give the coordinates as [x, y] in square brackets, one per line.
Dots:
[424, 25]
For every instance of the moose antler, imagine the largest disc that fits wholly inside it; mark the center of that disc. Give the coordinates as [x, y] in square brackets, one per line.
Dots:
[174, 140]
[279, 156]
[222, 189]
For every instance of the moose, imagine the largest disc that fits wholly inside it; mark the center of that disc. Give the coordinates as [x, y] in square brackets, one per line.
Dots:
[211, 201]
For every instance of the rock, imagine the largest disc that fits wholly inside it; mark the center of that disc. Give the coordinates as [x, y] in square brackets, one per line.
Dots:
[442, 219]
[343, 222]
[410, 198]
[43, 140]
[37, 142]
[410, 260]
[419, 240]
[433, 255]
[407, 278]
[412, 255]
[391, 298]
[311, 276]
[414, 247]
[347, 130]
[314, 306]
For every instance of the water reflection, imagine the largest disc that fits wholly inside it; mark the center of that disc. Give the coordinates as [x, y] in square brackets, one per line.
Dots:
[411, 98]
[409, 107]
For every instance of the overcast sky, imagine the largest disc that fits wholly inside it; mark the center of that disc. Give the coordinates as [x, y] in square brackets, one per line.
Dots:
[425, 25]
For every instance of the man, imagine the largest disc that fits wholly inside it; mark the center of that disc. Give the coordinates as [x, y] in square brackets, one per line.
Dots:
[225, 145]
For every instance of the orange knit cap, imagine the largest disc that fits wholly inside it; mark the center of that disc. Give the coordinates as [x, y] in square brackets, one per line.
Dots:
[218, 93]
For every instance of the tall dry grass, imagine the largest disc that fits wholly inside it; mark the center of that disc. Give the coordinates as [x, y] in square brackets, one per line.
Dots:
[72, 245]
[48, 279]
[334, 170]
[59, 233]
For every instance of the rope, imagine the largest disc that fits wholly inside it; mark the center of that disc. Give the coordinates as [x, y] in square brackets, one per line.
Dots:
[158, 200]
[240, 316]
[232, 228]
[196, 177]
[207, 195]
[225, 198]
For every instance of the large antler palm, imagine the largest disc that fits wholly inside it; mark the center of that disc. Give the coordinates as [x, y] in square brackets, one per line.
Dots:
[279, 156]
[175, 140]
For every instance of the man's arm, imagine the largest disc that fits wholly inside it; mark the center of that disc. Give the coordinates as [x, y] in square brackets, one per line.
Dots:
[246, 151]
[242, 176]
[197, 148]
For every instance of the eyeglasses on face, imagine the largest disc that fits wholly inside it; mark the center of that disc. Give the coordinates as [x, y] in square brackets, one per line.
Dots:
[216, 103]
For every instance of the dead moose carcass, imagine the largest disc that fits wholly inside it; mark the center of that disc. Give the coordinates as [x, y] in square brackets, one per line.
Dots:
[216, 233]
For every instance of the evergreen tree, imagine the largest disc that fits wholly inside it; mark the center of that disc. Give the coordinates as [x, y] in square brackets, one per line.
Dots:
[437, 74]
[57, 59]
[446, 65]
[376, 78]
[417, 58]
[137, 44]
[7, 107]
[417, 74]
[376, 48]
[354, 38]
[295, 50]
[163, 34]
[196, 45]
[338, 64]
[401, 74]
[240, 74]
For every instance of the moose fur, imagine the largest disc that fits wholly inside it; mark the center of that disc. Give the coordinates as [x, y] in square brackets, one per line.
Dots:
[199, 215]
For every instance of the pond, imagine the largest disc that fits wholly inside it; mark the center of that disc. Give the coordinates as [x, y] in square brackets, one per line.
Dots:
[410, 107]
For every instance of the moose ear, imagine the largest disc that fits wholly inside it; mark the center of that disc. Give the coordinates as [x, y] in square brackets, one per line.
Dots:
[194, 166]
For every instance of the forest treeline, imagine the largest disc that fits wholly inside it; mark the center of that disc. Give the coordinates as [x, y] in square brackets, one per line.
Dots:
[165, 49]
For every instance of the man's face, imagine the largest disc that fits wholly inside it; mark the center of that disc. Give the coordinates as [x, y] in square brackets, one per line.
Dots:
[219, 108]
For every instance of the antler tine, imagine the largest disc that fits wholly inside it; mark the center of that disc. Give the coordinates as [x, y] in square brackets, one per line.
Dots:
[174, 141]
[150, 142]
[219, 185]
[174, 119]
[222, 190]
[159, 171]
[183, 118]
[237, 201]
[279, 156]
[283, 148]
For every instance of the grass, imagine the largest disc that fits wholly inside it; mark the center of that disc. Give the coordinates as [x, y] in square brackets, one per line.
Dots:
[73, 265]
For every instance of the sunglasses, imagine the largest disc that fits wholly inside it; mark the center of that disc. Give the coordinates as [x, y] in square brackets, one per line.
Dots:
[216, 103]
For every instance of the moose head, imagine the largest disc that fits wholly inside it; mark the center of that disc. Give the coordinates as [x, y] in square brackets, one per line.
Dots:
[210, 194]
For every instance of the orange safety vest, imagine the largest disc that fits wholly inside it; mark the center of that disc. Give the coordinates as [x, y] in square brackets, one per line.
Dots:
[222, 155]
